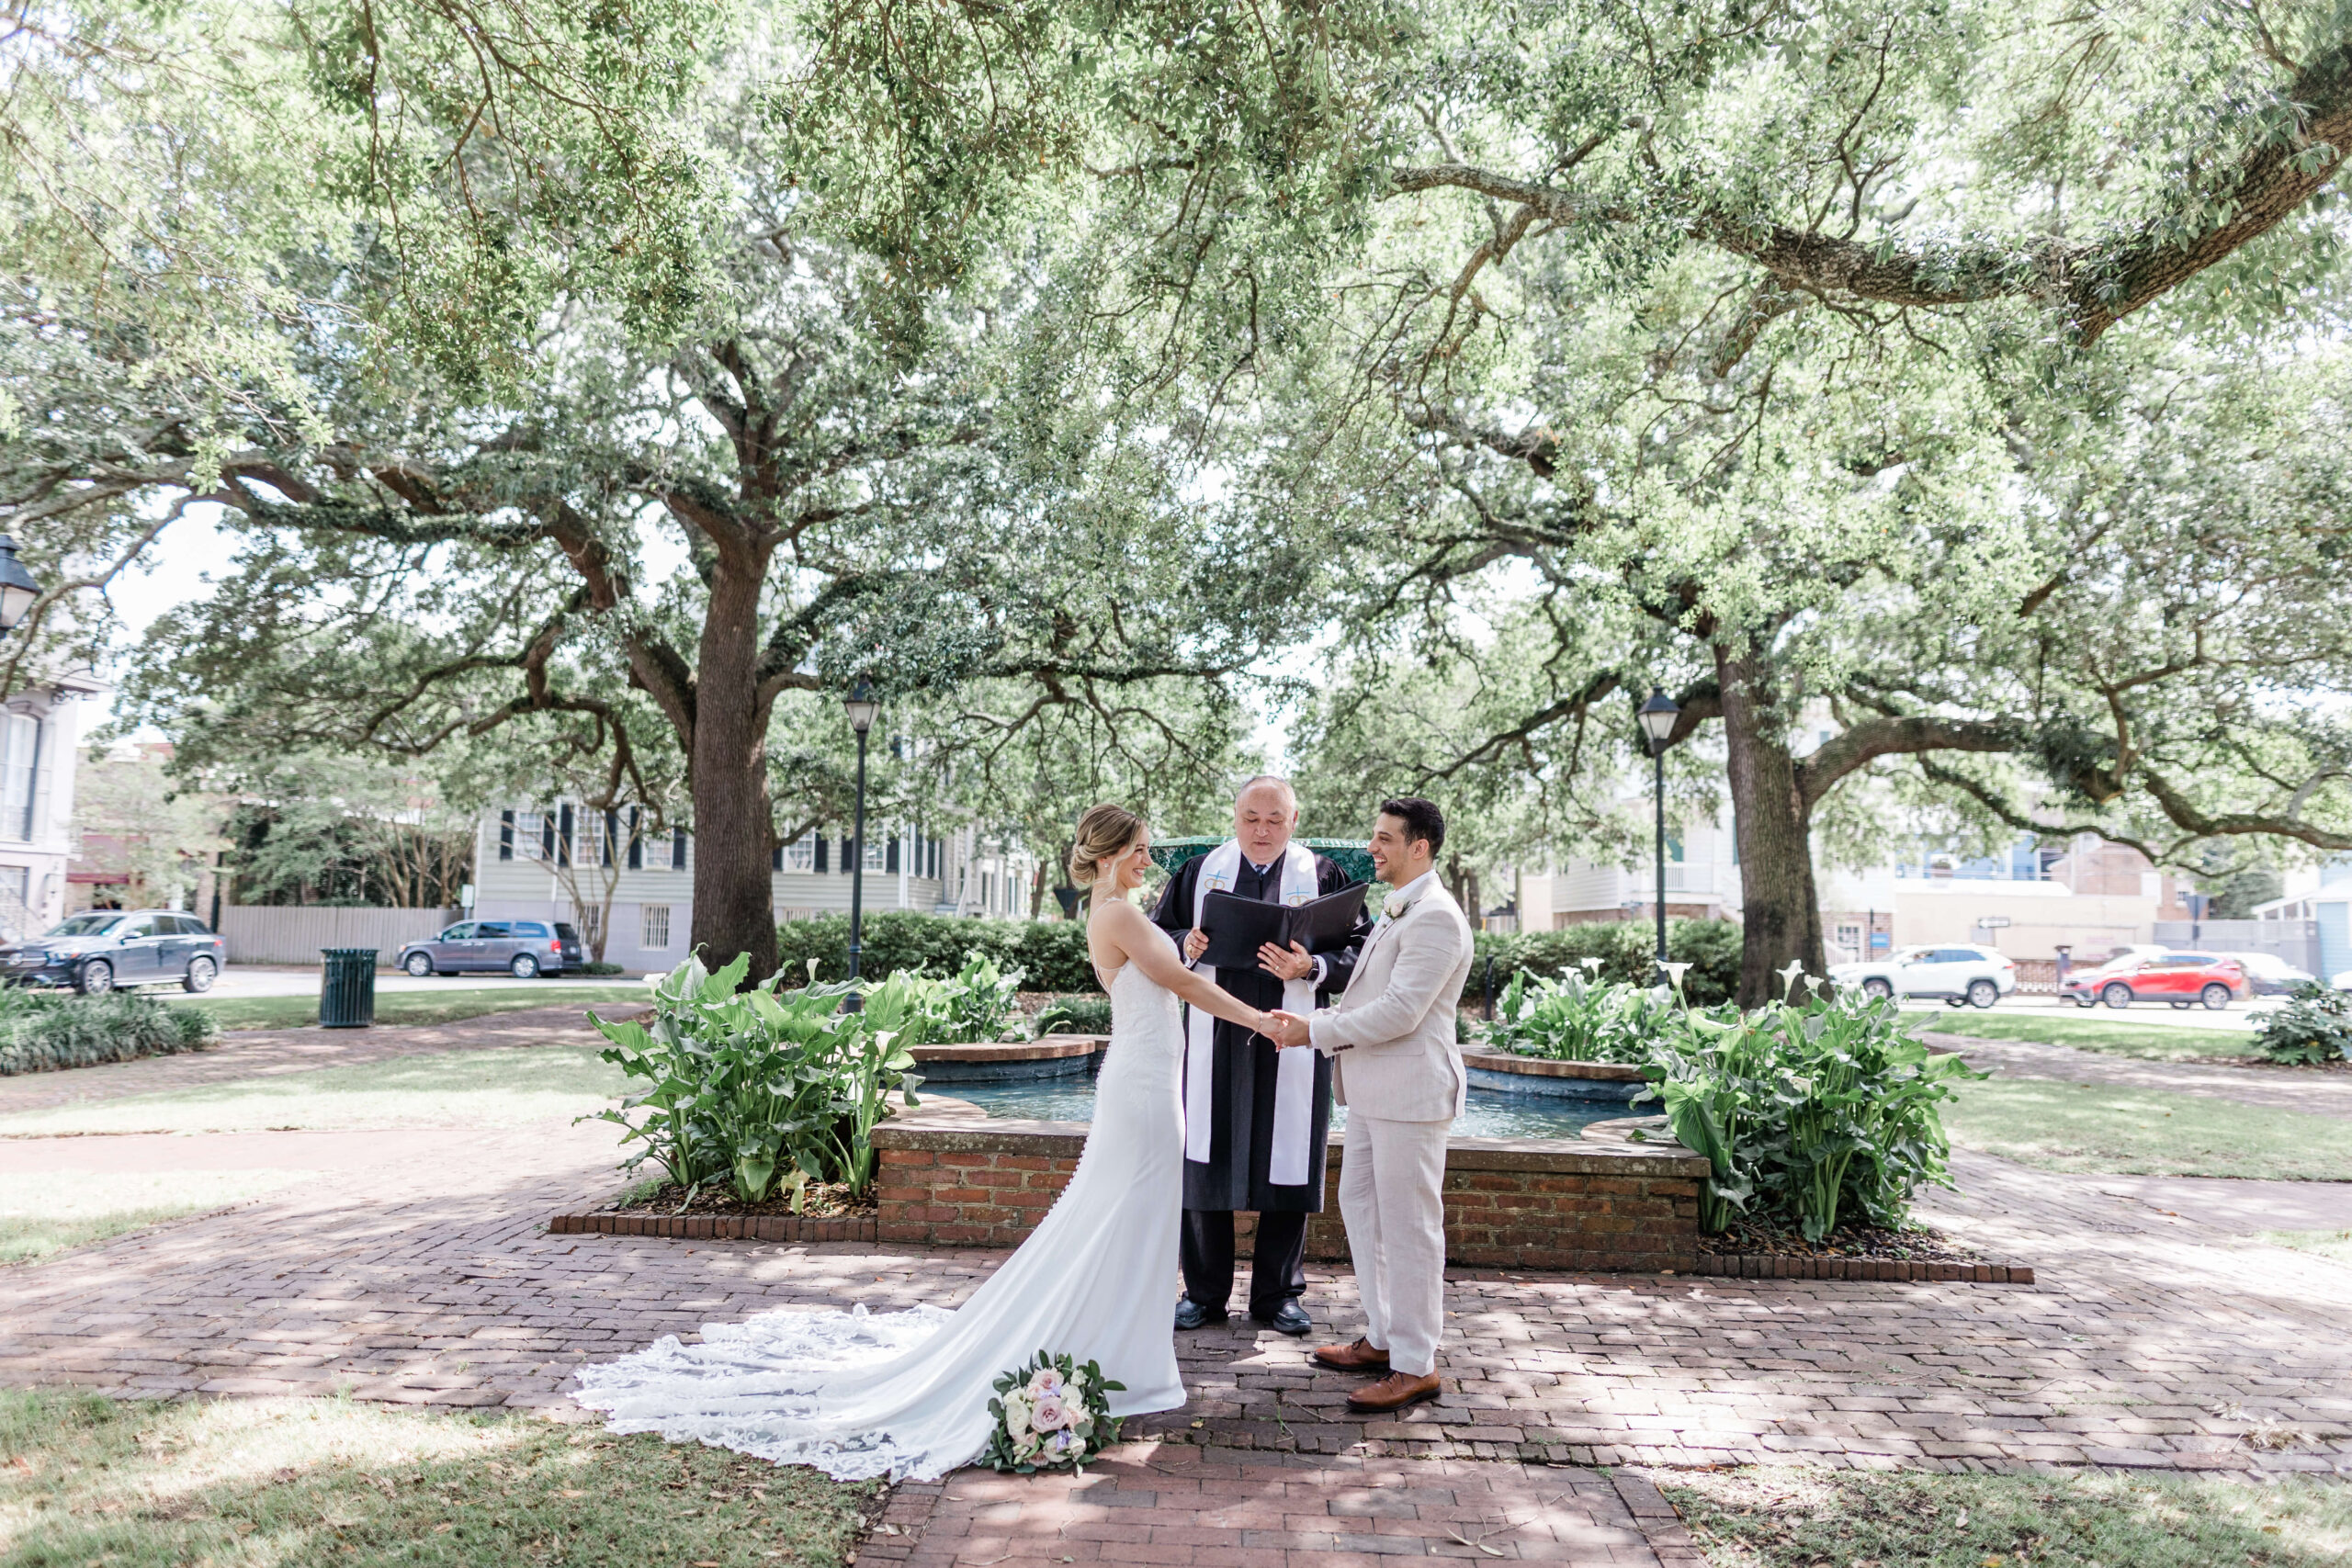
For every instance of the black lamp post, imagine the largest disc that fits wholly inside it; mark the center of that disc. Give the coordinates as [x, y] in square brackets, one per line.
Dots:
[1657, 717]
[861, 707]
[18, 589]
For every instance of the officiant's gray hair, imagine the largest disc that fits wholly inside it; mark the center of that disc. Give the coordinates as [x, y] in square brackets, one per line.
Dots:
[1276, 780]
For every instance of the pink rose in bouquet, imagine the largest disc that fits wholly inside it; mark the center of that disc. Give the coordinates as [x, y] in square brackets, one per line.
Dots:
[1050, 1414]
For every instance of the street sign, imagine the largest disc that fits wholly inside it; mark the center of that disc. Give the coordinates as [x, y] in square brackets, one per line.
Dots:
[1994, 923]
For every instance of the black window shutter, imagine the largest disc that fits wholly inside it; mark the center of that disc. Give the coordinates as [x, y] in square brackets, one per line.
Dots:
[820, 851]
[547, 834]
[506, 835]
[563, 840]
[678, 849]
[612, 839]
[636, 840]
[890, 860]
[775, 858]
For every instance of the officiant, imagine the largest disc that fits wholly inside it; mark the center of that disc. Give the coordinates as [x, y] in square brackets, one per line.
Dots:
[1255, 1117]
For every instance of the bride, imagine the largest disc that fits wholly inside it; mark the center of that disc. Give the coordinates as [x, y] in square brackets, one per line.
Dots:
[906, 1393]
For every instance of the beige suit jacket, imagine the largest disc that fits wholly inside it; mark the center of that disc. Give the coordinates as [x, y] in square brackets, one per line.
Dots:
[1391, 1037]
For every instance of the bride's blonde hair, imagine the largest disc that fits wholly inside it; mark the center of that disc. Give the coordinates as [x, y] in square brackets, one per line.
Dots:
[1104, 833]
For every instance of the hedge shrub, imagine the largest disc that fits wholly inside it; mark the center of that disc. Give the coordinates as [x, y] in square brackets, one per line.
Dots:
[1051, 954]
[41, 1033]
[1627, 950]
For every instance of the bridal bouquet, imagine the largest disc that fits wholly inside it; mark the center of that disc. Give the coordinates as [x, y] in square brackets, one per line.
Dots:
[1049, 1413]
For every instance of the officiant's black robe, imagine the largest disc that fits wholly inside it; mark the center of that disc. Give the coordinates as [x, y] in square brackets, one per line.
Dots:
[1241, 1129]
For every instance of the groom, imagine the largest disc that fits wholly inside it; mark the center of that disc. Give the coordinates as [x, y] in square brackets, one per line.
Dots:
[1398, 1071]
[1255, 1120]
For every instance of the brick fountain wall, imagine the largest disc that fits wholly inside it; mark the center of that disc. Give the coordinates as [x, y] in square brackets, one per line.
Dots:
[1583, 1204]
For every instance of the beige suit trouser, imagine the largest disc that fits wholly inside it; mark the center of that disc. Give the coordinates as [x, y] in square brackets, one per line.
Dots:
[1392, 1177]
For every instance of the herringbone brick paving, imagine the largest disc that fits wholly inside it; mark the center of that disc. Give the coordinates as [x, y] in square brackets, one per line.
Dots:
[2149, 1341]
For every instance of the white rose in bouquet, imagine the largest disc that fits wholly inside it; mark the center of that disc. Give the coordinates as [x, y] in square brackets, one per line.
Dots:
[1017, 1413]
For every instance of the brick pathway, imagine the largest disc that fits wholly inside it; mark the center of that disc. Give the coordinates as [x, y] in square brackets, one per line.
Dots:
[1180, 1503]
[2314, 1091]
[2150, 1340]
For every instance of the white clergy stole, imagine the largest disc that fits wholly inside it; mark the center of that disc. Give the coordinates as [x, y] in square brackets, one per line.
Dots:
[1294, 1070]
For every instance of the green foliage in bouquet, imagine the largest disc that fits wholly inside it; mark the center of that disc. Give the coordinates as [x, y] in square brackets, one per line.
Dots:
[2314, 1026]
[1050, 1414]
[754, 1087]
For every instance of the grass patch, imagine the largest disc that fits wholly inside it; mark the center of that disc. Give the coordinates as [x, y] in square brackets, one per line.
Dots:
[44, 1212]
[413, 1007]
[2110, 1035]
[2336, 1245]
[511, 1087]
[2074, 1519]
[2130, 1131]
[244, 1483]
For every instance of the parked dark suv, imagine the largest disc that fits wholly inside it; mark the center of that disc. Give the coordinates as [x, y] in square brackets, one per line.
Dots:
[522, 948]
[100, 949]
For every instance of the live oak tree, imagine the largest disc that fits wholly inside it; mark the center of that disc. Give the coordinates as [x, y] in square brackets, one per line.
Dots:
[1772, 355]
[753, 309]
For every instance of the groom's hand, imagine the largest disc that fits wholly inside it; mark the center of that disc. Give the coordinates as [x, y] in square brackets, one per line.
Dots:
[1294, 963]
[1287, 1030]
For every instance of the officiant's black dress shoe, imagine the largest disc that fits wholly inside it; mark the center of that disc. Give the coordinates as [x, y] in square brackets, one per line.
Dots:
[1190, 1313]
[1289, 1318]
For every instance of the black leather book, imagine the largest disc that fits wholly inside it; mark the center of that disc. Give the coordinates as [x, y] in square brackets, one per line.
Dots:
[1239, 927]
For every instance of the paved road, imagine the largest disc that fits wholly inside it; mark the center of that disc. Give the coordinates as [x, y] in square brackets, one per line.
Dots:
[274, 980]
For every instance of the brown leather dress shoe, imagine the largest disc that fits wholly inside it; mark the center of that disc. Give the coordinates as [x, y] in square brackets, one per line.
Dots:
[1395, 1392]
[1360, 1357]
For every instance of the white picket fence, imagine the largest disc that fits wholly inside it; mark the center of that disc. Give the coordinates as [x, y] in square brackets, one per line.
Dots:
[293, 934]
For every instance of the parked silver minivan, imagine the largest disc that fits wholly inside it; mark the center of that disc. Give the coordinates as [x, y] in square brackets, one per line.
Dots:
[522, 948]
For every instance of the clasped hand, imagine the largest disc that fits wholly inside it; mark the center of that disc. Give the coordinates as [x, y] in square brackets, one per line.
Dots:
[1286, 1030]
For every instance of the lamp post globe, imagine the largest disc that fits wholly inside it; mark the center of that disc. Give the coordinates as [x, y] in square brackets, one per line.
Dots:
[861, 707]
[1657, 718]
[17, 587]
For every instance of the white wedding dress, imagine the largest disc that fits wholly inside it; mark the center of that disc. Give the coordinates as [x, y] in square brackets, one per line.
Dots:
[860, 1394]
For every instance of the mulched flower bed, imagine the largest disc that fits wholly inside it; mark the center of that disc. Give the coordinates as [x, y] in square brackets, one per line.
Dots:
[820, 1200]
[1753, 1249]
[1917, 1245]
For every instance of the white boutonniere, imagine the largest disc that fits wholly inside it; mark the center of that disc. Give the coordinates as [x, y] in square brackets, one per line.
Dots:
[1394, 905]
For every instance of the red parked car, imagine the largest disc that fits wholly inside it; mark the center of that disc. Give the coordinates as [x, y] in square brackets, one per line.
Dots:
[2179, 978]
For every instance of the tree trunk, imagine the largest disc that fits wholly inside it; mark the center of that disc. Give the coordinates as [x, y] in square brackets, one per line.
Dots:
[1780, 912]
[734, 833]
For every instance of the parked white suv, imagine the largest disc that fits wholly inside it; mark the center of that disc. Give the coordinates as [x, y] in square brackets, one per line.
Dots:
[1956, 974]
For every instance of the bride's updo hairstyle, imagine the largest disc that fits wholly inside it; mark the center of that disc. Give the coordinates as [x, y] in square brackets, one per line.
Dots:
[1104, 833]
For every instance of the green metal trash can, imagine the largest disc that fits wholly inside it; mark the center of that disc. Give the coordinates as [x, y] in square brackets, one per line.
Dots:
[348, 990]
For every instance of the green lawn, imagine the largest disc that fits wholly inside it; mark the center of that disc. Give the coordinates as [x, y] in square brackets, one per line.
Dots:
[2082, 1127]
[244, 1483]
[42, 1213]
[510, 1088]
[2111, 1034]
[413, 1007]
[1794, 1518]
[2334, 1244]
